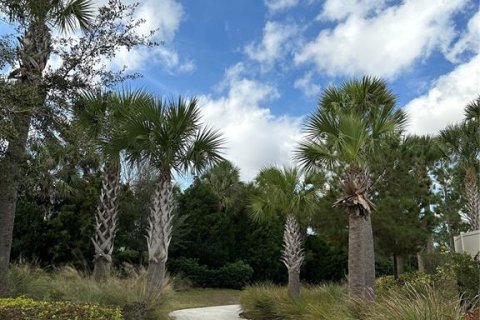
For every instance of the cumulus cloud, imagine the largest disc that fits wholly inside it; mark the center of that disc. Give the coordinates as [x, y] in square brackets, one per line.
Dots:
[340, 9]
[468, 42]
[165, 17]
[379, 40]
[444, 103]
[307, 85]
[279, 5]
[274, 45]
[255, 136]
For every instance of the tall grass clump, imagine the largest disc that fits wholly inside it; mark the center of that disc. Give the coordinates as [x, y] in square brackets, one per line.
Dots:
[268, 302]
[414, 303]
[68, 284]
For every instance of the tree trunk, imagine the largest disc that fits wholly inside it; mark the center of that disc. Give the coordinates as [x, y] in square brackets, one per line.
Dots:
[101, 269]
[356, 255]
[473, 199]
[159, 235]
[294, 284]
[369, 261]
[33, 53]
[399, 264]
[421, 264]
[10, 166]
[106, 221]
[292, 255]
[155, 280]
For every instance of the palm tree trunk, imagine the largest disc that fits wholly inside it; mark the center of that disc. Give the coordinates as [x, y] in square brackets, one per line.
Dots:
[356, 255]
[473, 199]
[292, 255]
[10, 167]
[159, 235]
[369, 261]
[106, 221]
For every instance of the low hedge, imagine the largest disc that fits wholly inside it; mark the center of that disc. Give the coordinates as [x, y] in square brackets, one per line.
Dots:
[22, 308]
[234, 275]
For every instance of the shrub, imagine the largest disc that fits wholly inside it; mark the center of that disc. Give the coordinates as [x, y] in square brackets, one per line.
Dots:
[22, 308]
[232, 275]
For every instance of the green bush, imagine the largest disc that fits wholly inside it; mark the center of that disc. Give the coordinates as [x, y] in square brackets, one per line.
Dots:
[452, 270]
[22, 308]
[232, 275]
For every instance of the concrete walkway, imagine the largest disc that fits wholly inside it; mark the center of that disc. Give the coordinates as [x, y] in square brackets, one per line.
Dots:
[212, 313]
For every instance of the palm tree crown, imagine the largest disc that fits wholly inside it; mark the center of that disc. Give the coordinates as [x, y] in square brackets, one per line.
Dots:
[169, 136]
[285, 191]
[349, 124]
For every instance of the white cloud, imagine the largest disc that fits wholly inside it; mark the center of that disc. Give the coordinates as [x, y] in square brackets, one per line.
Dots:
[165, 17]
[445, 101]
[255, 137]
[340, 9]
[279, 5]
[468, 42]
[275, 43]
[308, 87]
[381, 41]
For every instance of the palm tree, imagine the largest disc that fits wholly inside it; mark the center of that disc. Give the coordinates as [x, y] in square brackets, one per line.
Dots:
[462, 142]
[170, 137]
[345, 131]
[98, 116]
[36, 18]
[224, 180]
[285, 192]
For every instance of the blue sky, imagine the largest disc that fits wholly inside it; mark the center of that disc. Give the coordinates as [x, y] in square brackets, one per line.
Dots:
[258, 66]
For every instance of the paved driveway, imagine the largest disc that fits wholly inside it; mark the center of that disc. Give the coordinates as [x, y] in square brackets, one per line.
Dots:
[212, 313]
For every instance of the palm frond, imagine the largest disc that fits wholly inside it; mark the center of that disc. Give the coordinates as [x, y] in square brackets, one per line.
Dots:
[72, 14]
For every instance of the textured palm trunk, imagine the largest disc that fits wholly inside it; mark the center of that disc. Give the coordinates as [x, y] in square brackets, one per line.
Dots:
[361, 256]
[34, 51]
[106, 221]
[473, 199]
[369, 292]
[356, 255]
[292, 255]
[159, 235]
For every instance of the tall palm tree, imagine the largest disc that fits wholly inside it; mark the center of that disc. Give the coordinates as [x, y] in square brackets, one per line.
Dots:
[345, 131]
[170, 137]
[294, 197]
[462, 142]
[98, 117]
[37, 19]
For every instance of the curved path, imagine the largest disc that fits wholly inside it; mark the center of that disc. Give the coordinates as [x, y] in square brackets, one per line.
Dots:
[230, 312]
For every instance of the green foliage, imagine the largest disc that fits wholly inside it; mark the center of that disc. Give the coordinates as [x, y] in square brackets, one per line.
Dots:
[28, 309]
[267, 302]
[457, 272]
[323, 263]
[232, 275]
